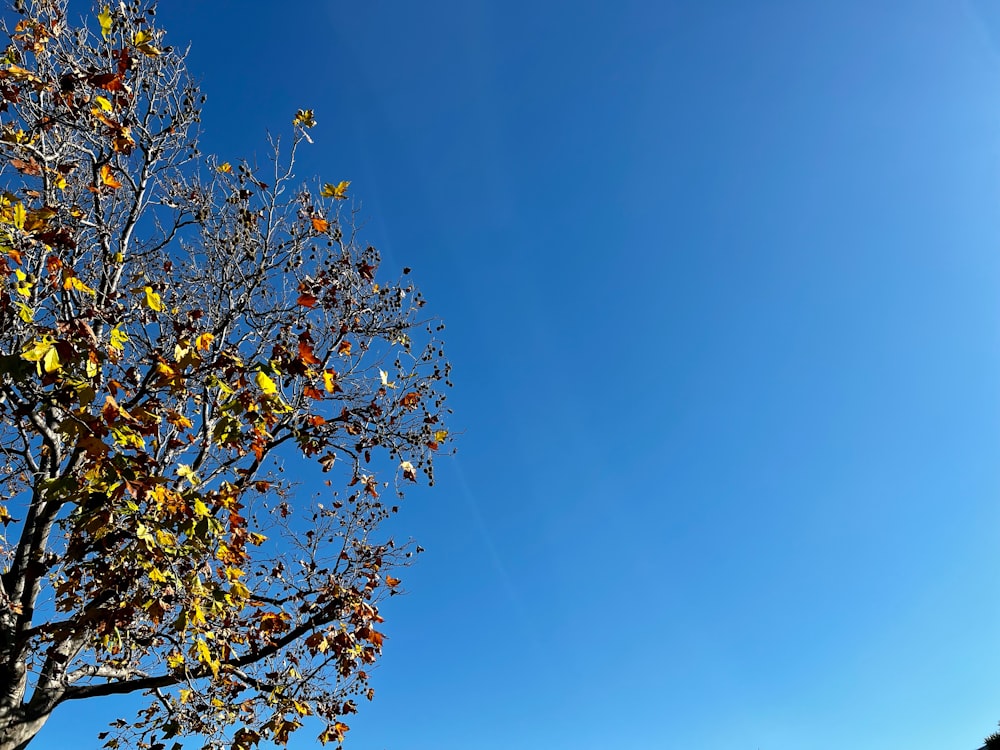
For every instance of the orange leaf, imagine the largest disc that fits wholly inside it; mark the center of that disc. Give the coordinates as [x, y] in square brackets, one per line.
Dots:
[344, 348]
[306, 300]
[306, 353]
[109, 179]
[320, 225]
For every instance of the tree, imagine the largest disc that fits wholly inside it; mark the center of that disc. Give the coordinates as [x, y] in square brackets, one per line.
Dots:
[173, 330]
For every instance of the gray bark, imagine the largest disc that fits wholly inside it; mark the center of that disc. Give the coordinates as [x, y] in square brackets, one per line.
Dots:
[18, 728]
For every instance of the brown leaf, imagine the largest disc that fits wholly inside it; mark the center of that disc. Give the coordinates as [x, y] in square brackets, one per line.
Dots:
[107, 81]
[26, 167]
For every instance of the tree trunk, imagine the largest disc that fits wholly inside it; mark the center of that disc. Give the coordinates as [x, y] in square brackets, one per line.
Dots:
[17, 729]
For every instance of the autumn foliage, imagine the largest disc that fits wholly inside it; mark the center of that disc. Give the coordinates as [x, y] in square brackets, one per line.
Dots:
[175, 331]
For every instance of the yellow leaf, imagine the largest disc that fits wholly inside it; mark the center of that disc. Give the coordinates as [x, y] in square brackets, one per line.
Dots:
[174, 660]
[165, 371]
[440, 435]
[204, 341]
[126, 436]
[105, 20]
[304, 118]
[24, 312]
[153, 300]
[225, 167]
[118, 338]
[185, 693]
[73, 282]
[205, 656]
[23, 285]
[50, 362]
[200, 509]
[20, 74]
[266, 384]
[198, 618]
[329, 380]
[142, 43]
[338, 191]
[19, 216]
[156, 576]
[178, 420]
[186, 472]
[37, 351]
[238, 590]
[103, 103]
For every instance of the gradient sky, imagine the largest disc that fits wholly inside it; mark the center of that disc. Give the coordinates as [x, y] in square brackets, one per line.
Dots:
[722, 287]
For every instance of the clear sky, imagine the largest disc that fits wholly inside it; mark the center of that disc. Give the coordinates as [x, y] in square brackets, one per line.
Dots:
[722, 287]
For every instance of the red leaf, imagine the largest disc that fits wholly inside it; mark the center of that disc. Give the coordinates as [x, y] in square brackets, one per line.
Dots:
[306, 300]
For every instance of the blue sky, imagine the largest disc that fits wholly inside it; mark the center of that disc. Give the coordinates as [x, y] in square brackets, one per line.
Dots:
[722, 287]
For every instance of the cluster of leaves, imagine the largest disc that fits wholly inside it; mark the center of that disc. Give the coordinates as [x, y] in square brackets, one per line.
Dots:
[171, 330]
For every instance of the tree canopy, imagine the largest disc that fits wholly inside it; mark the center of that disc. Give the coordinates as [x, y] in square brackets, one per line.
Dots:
[174, 331]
